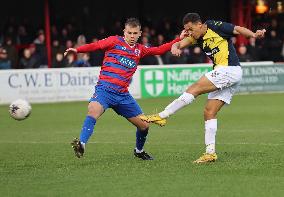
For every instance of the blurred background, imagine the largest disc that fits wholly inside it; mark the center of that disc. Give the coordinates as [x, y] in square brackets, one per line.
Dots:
[35, 33]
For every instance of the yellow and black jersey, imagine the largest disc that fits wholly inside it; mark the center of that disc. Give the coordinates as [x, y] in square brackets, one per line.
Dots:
[217, 44]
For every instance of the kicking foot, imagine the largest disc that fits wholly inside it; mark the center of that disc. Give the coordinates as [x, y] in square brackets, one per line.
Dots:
[155, 118]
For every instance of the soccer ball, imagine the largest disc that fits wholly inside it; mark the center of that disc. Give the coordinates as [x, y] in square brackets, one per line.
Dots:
[20, 109]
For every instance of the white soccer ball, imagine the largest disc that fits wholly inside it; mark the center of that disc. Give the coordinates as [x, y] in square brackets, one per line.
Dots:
[20, 109]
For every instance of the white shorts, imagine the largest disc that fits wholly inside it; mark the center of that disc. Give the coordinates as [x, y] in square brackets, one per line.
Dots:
[227, 79]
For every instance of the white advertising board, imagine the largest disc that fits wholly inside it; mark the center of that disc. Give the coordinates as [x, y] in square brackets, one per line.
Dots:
[53, 85]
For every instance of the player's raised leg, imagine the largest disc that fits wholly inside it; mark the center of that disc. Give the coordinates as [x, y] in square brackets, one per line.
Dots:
[203, 85]
[95, 110]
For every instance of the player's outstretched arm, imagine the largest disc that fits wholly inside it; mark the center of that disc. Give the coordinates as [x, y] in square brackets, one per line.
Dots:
[101, 44]
[160, 49]
[165, 47]
[248, 33]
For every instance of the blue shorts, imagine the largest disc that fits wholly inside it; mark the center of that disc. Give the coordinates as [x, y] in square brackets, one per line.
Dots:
[122, 103]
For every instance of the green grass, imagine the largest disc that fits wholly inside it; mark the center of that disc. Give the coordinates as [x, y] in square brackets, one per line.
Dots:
[36, 158]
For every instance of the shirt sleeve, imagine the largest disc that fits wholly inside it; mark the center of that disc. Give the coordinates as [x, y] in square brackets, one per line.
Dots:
[158, 50]
[227, 28]
[103, 44]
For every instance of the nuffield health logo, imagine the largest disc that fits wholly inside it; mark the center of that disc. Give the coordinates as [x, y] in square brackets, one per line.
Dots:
[158, 82]
[154, 82]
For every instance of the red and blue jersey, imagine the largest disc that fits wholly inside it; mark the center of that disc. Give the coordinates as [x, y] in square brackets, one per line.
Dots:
[121, 60]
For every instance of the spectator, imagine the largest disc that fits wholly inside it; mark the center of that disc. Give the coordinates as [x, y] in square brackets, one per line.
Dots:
[35, 55]
[12, 34]
[59, 61]
[84, 62]
[274, 25]
[56, 48]
[96, 57]
[15, 37]
[253, 50]
[167, 30]
[81, 40]
[54, 33]
[68, 44]
[160, 40]
[71, 60]
[28, 60]
[41, 49]
[152, 32]
[102, 33]
[146, 32]
[197, 56]
[5, 63]
[71, 31]
[243, 55]
[23, 36]
[168, 58]
[145, 41]
[148, 60]
[11, 51]
[116, 28]
[273, 45]
[64, 36]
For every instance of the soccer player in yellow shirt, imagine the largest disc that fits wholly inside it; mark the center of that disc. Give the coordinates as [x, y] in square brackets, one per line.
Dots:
[221, 83]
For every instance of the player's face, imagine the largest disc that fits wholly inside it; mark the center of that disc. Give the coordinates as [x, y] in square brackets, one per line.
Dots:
[194, 29]
[132, 34]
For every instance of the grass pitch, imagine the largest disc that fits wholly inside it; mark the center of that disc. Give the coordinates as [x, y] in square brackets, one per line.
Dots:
[36, 158]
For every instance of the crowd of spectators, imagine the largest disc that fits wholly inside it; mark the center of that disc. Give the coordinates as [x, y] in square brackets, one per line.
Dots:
[21, 49]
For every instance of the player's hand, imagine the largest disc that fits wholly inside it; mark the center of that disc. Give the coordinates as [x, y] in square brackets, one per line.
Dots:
[259, 33]
[183, 34]
[176, 51]
[70, 50]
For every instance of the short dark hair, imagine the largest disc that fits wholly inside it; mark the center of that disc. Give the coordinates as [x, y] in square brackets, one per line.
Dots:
[133, 22]
[191, 17]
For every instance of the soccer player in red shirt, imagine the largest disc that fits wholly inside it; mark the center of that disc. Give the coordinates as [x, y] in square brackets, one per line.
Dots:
[122, 55]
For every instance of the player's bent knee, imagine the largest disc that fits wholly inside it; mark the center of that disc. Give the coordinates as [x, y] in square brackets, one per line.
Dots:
[209, 113]
[94, 110]
[144, 126]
